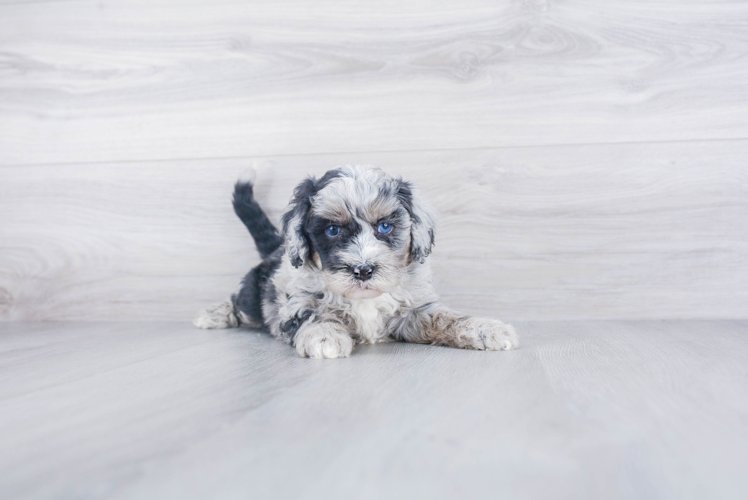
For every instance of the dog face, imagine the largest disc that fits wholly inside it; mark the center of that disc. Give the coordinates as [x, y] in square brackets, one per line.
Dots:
[359, 228]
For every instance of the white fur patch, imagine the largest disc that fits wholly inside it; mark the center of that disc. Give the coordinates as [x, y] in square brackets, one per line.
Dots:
[248, 176]
[217, 316]
[495, 335]
[369, 317]
[323, 340]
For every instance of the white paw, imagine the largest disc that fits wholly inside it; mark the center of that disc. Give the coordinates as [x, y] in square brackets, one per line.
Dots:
[323, 340]
[492, 334]
[217, 316]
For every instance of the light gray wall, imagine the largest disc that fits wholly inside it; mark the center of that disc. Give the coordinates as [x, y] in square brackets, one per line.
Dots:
[588, 159]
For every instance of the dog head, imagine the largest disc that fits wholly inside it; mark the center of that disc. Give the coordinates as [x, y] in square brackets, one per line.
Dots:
[359, 227]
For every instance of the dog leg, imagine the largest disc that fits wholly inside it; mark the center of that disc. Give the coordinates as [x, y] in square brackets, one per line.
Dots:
[323, 339]
[220, 315]
[441, 326]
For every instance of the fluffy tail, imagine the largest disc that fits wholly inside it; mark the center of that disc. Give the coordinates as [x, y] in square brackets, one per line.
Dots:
[262, 230]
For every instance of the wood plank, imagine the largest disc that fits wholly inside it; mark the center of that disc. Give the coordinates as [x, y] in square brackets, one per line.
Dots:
[607, 231]
[119, 81]
[582, 410]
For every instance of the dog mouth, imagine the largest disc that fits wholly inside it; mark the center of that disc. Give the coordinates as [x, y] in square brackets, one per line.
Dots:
[351, 288]
[362, 291]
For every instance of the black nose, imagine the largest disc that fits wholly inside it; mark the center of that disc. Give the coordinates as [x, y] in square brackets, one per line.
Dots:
[364, 272]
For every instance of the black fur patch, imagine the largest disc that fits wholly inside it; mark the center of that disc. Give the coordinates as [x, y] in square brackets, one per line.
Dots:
[301, 203]
[249, 298]
[291, 326]
[326, 245]
[395, 238]
[262, 230]
[405, 195]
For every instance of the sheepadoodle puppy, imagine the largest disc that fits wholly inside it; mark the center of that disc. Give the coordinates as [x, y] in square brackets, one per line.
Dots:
[351, 266]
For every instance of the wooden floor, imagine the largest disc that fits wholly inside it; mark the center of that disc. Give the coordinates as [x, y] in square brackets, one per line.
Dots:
[638, 410]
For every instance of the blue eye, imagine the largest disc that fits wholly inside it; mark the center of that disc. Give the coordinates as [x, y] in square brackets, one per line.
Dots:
[332, 231]
[385, 227]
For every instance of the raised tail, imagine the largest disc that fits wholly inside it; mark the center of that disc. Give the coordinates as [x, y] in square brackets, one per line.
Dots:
[262, 230]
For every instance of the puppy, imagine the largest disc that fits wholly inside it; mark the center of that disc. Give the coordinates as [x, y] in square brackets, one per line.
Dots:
[351, 267]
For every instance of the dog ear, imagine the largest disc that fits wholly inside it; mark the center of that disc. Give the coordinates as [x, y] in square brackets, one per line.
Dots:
[423, 224]
[297, 242]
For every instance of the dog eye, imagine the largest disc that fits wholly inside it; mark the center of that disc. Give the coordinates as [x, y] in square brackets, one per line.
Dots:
[332, 230]
[385, 227]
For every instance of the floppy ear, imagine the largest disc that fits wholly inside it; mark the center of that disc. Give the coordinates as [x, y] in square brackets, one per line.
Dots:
[423, 225]
[297, 242]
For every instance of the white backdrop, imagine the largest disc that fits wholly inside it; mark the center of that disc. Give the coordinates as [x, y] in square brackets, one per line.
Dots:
[588, 159]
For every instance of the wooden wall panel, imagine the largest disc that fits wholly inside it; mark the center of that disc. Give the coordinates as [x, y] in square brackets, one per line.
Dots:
[605, 231]
[84, 81]
[588, 158]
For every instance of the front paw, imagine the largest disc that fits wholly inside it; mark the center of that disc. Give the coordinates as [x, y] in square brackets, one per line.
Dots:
[323, 340]
[492, 334]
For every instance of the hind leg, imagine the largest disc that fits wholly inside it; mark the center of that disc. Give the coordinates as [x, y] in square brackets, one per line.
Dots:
[245, 307]
[220, 315]
[224, 315]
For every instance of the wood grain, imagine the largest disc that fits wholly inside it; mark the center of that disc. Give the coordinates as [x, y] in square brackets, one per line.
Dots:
[584, 410]
[84, 81]
[606, 231]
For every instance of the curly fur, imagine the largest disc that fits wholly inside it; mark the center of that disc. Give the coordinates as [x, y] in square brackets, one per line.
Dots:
[309, 290]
